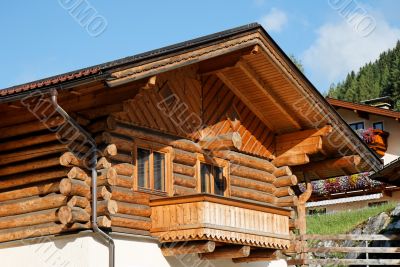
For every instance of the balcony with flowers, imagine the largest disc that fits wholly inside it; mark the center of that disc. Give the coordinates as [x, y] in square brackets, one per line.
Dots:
[343, 186]
[375, 138]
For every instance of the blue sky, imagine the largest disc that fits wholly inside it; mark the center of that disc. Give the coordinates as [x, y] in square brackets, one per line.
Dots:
[330, 37]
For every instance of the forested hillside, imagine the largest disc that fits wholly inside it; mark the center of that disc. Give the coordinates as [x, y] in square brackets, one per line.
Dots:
[375, 79]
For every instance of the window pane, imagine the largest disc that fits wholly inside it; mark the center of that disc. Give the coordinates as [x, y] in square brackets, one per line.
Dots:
[205, 173]
[159, 171]
[357, 125]
[219, 183]
[143, 162]
[378, 125]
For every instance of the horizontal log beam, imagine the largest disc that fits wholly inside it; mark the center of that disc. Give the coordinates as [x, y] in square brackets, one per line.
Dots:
[29, 219]
[291, 160]
[132, 222]
[127, 195]
[30, 178]
[246, 160]
[332, 164]
[252, 194]
[36, 190]
[174, 249]
[39, 230]
[227, 141]
[251, 173]
[251, 184]
[32, 166]
[183, 169]
[185, 181]
[259, 255]
[301, 135]
[227, 252]
[32, 204]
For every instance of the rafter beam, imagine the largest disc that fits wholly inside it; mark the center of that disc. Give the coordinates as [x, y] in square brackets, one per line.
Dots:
[227, 252]
[244, 99]
[254, 77]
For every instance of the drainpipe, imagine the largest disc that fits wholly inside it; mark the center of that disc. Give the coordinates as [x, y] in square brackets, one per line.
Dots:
[108, 239]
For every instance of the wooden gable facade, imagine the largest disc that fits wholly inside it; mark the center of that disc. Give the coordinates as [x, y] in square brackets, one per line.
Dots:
[203, 142]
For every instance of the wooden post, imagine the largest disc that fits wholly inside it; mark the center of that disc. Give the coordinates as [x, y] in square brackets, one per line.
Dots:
[301, 220]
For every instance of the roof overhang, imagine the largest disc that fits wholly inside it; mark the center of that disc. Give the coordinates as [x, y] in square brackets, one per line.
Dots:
[247, 57]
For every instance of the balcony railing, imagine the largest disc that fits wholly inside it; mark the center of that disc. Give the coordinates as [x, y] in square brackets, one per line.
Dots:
[220, 219]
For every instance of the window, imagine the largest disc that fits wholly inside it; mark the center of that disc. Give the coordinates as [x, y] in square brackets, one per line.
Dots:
[378, 125]
[357, 125]
[151, 169]
[212, 180]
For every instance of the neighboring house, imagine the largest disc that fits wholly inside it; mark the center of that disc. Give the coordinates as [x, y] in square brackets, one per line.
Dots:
[379, 126]
[182, 156]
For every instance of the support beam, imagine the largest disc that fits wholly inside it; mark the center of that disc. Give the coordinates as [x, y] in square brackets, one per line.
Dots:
[324, 131]
[172, 249]
[222, 142]
[252, 75]
[227, 252]
[345, 162]
[309, 146]
[260, 255]
[291, 160]
[307, 142]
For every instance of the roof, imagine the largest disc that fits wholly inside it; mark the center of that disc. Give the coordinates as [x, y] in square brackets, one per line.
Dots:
[390, 174]
[364, 108]
[293, 94]
[126, 61]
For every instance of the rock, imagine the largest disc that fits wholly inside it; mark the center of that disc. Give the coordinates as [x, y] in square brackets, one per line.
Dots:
[396, 212]
[376, 224]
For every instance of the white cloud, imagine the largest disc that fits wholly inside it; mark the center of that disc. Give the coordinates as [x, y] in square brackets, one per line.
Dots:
[259, 2]
[275, 20]
[340, 48]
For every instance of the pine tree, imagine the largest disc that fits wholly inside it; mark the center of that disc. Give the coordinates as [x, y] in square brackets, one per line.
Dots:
[374, 79]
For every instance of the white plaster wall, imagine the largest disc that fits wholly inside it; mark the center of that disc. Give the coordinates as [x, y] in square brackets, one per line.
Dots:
[85, 251]
[389, 124]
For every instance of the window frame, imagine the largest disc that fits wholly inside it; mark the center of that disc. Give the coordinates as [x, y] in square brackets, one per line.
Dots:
[380, 122]
[356, 123]
[153, 147]
[214, 162]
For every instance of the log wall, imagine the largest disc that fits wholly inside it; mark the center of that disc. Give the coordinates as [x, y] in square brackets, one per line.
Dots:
[47, 188]
[36, 197]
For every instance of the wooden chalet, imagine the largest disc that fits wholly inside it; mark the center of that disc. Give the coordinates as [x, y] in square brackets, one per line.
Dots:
[200, 145]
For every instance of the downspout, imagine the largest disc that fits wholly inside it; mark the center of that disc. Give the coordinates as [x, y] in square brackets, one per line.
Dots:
[108, 239]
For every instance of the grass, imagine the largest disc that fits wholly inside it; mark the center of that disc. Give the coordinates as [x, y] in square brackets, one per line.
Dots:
[343, 222]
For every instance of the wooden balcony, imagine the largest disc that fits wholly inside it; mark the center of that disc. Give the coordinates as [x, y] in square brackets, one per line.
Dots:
[225, 221]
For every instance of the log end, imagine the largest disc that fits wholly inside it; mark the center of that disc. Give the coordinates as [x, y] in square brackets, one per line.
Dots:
[64, 215]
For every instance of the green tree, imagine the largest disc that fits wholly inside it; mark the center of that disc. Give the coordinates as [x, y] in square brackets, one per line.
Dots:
[297, 62]
[374, 79]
